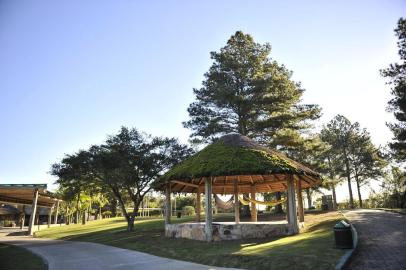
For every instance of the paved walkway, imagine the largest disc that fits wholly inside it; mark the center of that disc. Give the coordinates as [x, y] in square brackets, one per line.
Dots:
[382, 240]
[64, 255]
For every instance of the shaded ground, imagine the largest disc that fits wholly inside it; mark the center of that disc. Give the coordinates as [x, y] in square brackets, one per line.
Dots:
[313, 249]
[16, 258]
[382, 240]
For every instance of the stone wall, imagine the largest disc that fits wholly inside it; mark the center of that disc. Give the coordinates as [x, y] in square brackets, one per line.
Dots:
[228, 231]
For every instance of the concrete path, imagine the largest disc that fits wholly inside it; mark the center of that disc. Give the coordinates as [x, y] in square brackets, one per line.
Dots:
[61, 255]
[382, 240]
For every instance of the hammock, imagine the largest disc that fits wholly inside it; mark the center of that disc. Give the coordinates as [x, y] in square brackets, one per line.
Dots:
[222, 204]
[246, 201]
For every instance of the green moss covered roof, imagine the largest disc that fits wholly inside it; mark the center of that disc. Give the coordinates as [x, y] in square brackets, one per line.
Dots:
[234, 154]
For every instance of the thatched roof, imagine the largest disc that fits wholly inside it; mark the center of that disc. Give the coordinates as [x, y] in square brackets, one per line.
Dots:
[236, 157]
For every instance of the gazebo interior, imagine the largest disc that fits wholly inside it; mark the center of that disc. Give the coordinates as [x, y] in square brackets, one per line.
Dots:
[236, 165]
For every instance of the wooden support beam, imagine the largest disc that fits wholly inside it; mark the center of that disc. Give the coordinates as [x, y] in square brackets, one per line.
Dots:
[292, 216]
[168, 207]
[299, 199]
[184, 183]
[208, 210]
[198, 205]
[254, 217]
[236, 203]
[33, 211]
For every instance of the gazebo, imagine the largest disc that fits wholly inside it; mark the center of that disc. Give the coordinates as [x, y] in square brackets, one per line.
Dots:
[34, 195]
[234, 164]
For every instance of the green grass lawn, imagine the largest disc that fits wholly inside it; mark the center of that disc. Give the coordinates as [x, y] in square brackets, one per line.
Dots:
[16, 258]
[312, 249]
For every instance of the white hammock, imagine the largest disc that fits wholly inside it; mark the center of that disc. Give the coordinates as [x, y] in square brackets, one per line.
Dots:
[222, 204]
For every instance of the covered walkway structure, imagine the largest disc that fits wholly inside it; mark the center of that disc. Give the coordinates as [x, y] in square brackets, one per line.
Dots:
[32, 195]
[234, 164]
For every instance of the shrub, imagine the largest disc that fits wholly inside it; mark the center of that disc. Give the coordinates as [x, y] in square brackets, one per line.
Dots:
[188, 210]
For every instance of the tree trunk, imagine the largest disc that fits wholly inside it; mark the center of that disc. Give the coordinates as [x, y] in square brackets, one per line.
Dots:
[84, 218]
[278, 207]
[359, 191]
[114, 208]
[100, 213]
[130, 223]
[88, 215]
[309, 198]
[78, 209]
[333, 188]
[348, 172]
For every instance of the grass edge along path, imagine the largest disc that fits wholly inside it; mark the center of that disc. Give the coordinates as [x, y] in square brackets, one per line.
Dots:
[311, 249]
[18, 258]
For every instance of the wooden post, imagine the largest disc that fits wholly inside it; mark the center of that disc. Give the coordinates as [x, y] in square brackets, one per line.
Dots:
[198, 205]
[56, 212]
[292, 204]
[37, 215]
[168, 207]
[299, 199]
[22, 220]
[33, 211]
[50, 216]
[254, 217]
[236, 203]
[287, 210]
[209, 210]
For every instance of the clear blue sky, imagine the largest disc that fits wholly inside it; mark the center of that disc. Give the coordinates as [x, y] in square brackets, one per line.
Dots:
[72, 72]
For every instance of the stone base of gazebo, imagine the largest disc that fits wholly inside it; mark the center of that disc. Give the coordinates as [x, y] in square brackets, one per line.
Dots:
[229, 230]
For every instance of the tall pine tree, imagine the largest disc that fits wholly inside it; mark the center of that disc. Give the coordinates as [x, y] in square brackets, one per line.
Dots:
[397, 75]
[245, 91]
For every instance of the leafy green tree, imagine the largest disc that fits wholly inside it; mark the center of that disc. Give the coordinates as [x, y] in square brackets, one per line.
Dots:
[338, 133]
[394, 185]
[352, 154]
[368, 162]
[397, 75]
[130, 161]
[74, 177]
[245, 91]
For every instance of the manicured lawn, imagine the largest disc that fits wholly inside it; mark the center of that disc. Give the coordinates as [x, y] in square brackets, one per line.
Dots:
[312, 249]
[16, 258]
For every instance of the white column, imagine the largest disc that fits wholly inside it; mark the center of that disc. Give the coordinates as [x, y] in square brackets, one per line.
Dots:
[33, 212]
[209, 210]
[292, 217]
